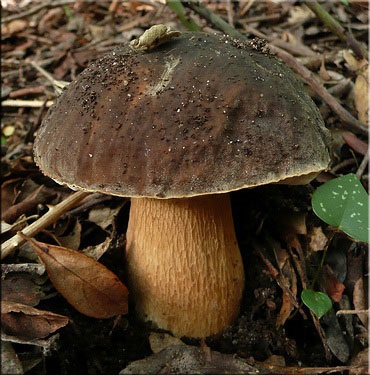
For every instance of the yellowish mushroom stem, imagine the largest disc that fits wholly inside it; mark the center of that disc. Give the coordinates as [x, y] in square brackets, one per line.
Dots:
[185, 269]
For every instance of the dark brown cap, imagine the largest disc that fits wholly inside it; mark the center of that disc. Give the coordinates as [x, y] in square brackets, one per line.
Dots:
[199, 114]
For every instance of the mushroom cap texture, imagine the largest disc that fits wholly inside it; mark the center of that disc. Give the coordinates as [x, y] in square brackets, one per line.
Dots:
[199, 114]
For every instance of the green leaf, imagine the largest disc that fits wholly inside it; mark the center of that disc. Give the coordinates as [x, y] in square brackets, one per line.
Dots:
[344, 203]
[179, 9]
[319, 303]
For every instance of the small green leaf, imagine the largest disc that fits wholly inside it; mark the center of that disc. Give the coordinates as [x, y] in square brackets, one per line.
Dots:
[344, 203]
[319, 303]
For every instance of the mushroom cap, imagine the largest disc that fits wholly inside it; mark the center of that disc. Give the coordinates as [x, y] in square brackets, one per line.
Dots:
[200, 114]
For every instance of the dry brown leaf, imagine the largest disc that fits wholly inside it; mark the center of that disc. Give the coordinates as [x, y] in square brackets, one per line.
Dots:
[361, 89]
[318, 239]
[50, 19]
[334, 288]
[97, 251]
[14, 27]
[72, 239]
[20, 289]
[86, 284]
[361, 360]
[29, 323]
[360, 300]
[286, 304]
[285, 310]
[361, 92]
[299, 14]
[159, 341]
[104, 216]
[10, 363]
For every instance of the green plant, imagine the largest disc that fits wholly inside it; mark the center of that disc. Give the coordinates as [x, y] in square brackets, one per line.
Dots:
[342, 203]
[319, 303]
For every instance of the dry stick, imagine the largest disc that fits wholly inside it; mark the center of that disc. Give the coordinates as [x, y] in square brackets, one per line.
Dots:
[352, 312]
[57, 84]
[44, 221]
[337, 29]
[350, 122]
[362, 167]
[27, 91]
[26, 103]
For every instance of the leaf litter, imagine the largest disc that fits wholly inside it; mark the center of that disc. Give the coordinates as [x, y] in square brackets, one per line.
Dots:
[86, 284]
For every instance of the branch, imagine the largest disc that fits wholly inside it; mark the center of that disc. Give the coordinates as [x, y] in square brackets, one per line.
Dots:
[44, 221]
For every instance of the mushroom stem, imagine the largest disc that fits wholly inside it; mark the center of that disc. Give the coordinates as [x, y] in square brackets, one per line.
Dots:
[185, 268]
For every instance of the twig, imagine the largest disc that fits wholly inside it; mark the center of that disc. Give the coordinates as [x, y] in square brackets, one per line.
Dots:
[44, 221]
[342, 164]
[337, 29]
[246, 8]
[230, 12]
[363, 165]
[57, 84]
[26, 103]
[350, 122]
[27, 91]
[352, 312]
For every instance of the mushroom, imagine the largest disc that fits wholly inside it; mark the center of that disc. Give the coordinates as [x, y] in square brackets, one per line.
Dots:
[176, 128]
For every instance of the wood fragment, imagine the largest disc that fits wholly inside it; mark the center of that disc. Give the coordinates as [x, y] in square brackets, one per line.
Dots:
[353, 312]
[49, 218]
[26, 103]
[27, 91]
[363, 166]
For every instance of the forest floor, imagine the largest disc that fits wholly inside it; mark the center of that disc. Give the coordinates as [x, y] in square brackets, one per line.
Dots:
[46, 44]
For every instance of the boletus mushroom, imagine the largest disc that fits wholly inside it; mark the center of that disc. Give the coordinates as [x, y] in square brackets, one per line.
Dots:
[176, 122]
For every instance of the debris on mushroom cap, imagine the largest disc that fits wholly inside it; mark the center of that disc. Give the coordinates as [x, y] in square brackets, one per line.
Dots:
[198, 114]
[153, 37]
